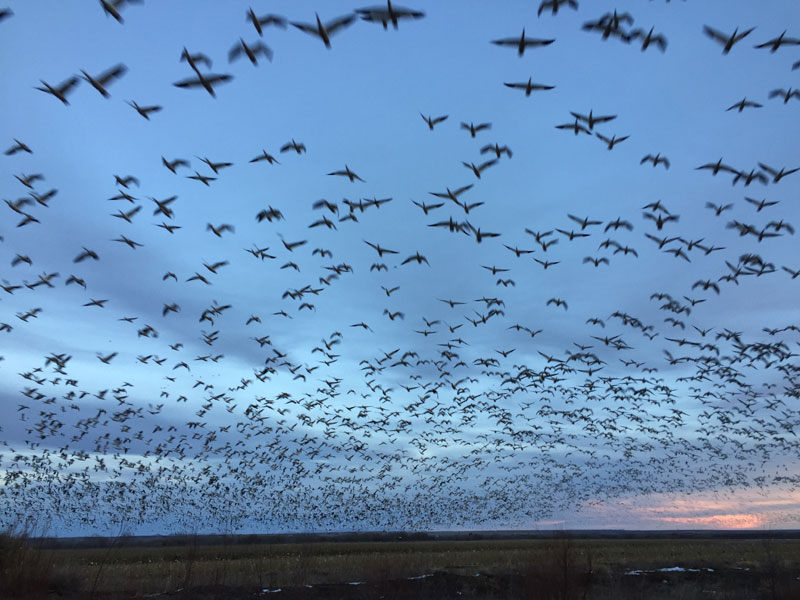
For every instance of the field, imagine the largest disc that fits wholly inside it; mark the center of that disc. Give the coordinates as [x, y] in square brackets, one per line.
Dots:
[543, 566]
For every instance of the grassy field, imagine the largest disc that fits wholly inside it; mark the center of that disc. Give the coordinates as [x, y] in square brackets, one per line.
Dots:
[559, 567]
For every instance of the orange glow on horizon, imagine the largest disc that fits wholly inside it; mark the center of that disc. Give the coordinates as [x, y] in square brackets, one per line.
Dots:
[724, 521]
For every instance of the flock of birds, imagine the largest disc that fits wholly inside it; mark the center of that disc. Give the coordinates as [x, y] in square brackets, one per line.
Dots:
[401, 419]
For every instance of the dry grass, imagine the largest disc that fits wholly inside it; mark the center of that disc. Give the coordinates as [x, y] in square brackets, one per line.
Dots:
[559, 568]
[27, 571]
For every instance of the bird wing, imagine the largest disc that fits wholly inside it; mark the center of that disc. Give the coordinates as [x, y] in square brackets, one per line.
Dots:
[340, 23]
[714, 34]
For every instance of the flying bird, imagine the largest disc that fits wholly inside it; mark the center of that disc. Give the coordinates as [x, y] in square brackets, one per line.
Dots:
[251, 51]
[260, 22]
[727, 41]
[522, 43]
[744, 103]
[106, 77]
[144, 110]
[18, 147]
[388, 14]
[778, 42]
[326, 30]
[60, 91]
[554, 5]
[656, 160]
[432, 121]
[205, 81]
[473, 129]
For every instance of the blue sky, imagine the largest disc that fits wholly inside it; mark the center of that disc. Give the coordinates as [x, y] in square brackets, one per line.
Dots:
[478, 443]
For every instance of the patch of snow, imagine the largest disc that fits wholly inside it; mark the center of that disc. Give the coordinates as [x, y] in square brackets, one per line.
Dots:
[421, 576]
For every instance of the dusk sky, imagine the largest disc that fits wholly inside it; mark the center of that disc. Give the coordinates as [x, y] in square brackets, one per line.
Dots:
[310, 301]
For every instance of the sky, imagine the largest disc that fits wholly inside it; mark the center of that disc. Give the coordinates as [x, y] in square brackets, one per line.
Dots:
[583, 337]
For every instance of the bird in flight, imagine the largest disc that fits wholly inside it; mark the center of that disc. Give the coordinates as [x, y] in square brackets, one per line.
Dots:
[779, 41]
[250, 50]
[656, 160]
[195, 57]
[389, 14]
[591, 120]
[346, 172]
[433, 121]
[778, 175]
[648, 38]
[554, 5]
[18, 147]
[575, 127]
[522, 43]
[174, 164]
[205, 179]
[205, 81]
[297, 147]
[785, 94]
[216, 167]
[105, 78]
[612, 141]
[60, 91]
[326, 30]
[474, 129]
[529, 86]
[744, 103]
[727, 41]
[112, 7]
[259, 22]
[144, 110]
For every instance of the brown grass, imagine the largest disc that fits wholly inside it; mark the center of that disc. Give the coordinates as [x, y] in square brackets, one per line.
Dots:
[560, 568]
[27, 571]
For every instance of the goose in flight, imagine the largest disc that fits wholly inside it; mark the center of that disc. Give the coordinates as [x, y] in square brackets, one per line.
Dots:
[144, 110]
[716, 167]
[346, 172]
[265, 156]
[648, 38]
[575, 127]
[779, 41]
[18, 147]
[529, 86]
[656, 160]
[105, 78]
[612, 141]
[195, 57]
[554, 5]
[388, 14]
[473, 129]
[216, 167]
[112, 7]
[174, 164]
[259, 22]
[326, 30]
[592, 120]
[433, 121]
[497, 149]
[778, 175]
[744, 103]
[297, 147]
[727, 41]
[785, 94]
[60, 91]
[251, 51]
[205, 81]
[522, 43]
